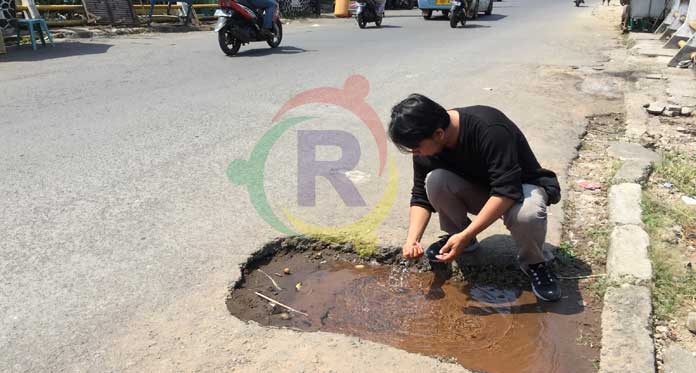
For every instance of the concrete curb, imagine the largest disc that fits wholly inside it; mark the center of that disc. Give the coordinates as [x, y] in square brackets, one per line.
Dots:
[627, 260]
[627, 340]
[655, 84]
[88, 32]
[627, 344]
[624, 204]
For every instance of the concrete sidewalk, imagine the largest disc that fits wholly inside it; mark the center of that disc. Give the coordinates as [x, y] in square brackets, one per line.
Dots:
[627, 340]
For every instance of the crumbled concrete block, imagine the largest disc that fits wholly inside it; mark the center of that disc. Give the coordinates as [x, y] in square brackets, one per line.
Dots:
[630, 151]
[691, 322]
[678, 360]
[627, 345]
[655, 108]
[624, 204]
[627, 259]
[633, 172]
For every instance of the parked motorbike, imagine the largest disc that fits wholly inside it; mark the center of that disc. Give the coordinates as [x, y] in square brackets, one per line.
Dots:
[460, 10]
[239, 22]
[369, 11]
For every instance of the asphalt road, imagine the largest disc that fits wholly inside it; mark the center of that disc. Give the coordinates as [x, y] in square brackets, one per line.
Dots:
[115, 205]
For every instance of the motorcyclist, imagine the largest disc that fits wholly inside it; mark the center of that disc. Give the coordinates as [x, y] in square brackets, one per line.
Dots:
[269, 7]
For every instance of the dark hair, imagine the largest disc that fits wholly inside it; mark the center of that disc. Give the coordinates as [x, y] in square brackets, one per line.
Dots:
[415, 119]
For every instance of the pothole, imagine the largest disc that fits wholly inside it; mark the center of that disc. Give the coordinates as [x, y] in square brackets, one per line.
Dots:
[485, 319]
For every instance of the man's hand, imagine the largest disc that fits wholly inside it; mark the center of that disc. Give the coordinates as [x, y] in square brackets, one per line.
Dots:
[412, 250]
[454, 246]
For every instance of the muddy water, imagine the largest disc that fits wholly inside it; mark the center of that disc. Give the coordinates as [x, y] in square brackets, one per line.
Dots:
[482, 327]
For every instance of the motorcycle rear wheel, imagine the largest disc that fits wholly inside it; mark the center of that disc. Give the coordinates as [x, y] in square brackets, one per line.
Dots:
[228, 43]
[361, 21]
[577, 3]
[378, 22]
[277, 35]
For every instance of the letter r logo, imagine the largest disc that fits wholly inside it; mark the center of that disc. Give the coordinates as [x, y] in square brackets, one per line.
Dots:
[334, 171]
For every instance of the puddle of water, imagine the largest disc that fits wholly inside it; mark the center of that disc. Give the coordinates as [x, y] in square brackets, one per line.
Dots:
[482, 327]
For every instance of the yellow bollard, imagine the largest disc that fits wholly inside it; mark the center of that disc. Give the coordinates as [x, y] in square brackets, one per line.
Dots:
[341, 9]
[692, 24]
[681, 43]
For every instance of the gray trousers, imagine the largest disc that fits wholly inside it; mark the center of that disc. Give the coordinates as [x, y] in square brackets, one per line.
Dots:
[453, 197]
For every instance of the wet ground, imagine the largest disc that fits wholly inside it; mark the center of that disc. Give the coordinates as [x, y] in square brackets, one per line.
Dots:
[494, 327]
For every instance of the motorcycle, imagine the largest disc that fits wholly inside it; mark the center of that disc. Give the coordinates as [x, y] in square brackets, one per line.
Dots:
[460, 10]
[369, 11]
[400, 4]
[239, 22]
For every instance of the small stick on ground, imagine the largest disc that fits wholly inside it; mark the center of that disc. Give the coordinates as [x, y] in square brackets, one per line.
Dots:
[581, 277]
[270, 278]
[280, 304]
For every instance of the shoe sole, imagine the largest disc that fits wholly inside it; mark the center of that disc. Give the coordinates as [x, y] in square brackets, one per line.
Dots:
[542, 298]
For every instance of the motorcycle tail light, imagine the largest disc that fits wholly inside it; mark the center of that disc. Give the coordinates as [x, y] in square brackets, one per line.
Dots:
[225, 3]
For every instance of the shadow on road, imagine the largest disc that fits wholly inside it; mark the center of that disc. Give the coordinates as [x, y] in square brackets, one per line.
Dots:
[491, 18]
[268, 51]
[416, 15]
[60, 50]
[383, 26]
[481, 18]
[471, 25]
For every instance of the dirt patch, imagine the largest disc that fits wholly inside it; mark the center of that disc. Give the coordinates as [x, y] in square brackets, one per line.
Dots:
[676, 134]
[483, 317]
[586, 229]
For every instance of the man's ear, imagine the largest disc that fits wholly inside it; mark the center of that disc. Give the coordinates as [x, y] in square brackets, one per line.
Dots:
[439, 136]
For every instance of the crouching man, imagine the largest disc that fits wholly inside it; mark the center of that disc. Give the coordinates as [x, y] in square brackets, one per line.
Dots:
[475, 160]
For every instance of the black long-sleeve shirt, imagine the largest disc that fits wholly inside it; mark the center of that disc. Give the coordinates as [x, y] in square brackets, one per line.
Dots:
[492, 152]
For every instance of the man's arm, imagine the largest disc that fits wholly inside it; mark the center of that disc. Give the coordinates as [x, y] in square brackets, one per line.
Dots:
[494, 208]
[418, 219]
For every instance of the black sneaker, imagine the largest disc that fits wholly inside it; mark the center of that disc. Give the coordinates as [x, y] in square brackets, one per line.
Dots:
[434, 248]
[544, 282]
[440, 268]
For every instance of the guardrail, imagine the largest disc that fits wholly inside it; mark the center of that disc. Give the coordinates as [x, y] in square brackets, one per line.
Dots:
[140, 9]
